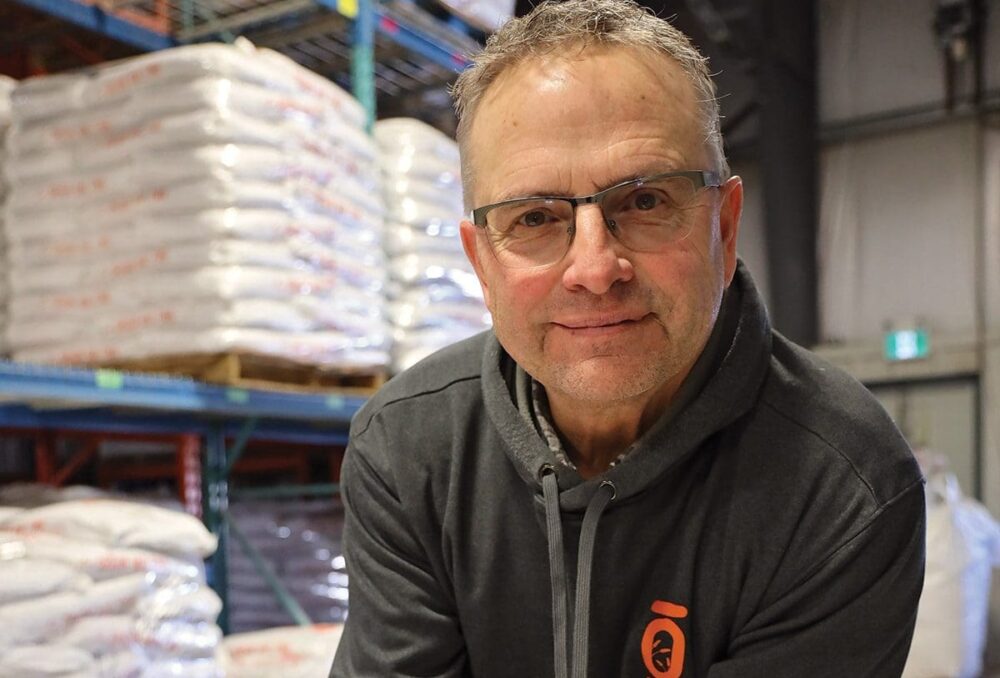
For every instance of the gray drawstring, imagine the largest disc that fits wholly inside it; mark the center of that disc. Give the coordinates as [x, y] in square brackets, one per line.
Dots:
[584, 565]
[557, 572]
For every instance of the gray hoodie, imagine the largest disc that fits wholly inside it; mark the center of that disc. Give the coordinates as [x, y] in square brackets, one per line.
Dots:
[773, 526]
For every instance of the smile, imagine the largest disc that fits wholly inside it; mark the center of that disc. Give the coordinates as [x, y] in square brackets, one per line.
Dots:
[601, 324]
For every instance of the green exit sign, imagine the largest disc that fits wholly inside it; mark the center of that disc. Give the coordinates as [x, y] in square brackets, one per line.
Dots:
[907, 345]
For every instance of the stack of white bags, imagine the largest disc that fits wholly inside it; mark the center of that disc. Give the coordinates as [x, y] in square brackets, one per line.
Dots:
[288, 652]
[6, 87]
[433, 297]
[100, 588]
[210, 198]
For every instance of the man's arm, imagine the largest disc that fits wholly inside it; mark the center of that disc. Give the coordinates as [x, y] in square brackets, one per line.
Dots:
[401, 622]
[850, 615]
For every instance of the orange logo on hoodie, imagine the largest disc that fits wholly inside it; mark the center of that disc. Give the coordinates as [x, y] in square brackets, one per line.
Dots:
[663, 641]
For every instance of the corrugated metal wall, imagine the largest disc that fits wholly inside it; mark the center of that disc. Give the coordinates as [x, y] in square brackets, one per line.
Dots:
[909, 224]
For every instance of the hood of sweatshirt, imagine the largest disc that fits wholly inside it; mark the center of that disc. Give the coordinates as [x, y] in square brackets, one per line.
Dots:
[729, 377]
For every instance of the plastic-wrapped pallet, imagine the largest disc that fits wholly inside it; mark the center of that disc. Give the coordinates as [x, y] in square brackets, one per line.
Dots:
[6, 88]
[289, 652]
[206, 199]
[101, 588]
[963, 548]
[301, 542]
[433, 296]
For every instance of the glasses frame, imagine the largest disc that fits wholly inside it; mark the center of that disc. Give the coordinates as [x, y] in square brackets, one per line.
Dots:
[700, 178]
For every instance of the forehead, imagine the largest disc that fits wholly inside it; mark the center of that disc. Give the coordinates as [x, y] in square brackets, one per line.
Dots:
[582, 120]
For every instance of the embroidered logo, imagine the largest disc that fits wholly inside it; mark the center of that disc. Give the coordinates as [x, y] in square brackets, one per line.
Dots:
[663, 641]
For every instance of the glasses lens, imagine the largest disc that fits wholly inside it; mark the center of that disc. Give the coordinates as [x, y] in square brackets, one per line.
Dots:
[647, 216]
[527, 233]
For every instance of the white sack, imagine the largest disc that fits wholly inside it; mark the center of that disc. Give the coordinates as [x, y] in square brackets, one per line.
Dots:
[420, 211]
[23, 578]
[183, 600]
[314, 348]
[93, 559]
[103, 635]
[8, 512]
[292, 652]
[48, 617]
[171, 639]
[232, 282]
[46, 661]
[469, 312]
[68, 238]
[963, 545]
[440, 237]
[415, 268]
[203, 315]
[120, 523]
[27, 278]
[443, 174]
[411, 136]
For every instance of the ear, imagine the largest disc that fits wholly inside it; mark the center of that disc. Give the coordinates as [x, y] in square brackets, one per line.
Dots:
[729, 223]
[471, 244]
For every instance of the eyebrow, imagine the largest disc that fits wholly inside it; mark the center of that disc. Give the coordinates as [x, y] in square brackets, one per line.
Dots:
[645, 172]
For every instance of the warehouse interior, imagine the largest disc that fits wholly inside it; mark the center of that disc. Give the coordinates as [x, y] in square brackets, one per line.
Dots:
[200, 375]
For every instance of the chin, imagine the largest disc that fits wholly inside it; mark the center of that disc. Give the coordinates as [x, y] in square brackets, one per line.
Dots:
[607, 380]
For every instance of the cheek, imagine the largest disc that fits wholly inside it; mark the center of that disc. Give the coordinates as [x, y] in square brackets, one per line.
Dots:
[684, 284]
[521, 296]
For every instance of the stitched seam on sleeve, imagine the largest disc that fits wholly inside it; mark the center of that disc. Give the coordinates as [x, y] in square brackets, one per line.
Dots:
[833, 447]
[847, 542]
[411, 396]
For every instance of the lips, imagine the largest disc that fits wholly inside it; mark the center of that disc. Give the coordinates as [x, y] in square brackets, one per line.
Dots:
[597, 321]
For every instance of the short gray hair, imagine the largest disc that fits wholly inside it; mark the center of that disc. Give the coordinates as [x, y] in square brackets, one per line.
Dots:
[554, 24]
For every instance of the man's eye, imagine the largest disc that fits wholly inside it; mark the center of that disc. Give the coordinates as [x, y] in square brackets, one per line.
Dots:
[645, 201]
[534, 218]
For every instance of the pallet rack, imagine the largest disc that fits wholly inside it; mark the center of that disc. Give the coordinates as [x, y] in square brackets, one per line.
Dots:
[388, 49]
[212, 425]
[392, 48]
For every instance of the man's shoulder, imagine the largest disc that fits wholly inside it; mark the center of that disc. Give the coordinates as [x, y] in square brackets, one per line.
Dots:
[846, 425]
[445, 379]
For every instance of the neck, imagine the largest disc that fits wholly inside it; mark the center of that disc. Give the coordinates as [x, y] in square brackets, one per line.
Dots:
[594, 434]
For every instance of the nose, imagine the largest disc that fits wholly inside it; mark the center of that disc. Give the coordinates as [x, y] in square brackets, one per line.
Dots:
[596, 258]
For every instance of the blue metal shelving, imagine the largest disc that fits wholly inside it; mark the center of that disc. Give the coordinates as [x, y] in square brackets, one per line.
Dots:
[199, 20]
[109, 401]
[68, 393]
[341, 39]
[98, 20]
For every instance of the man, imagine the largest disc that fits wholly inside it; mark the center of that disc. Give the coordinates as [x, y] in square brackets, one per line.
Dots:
[632, 475]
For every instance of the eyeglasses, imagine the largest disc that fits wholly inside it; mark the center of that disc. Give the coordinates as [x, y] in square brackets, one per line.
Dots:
[644, 214]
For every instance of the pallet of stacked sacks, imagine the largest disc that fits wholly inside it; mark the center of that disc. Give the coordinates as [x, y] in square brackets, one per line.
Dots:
[210, 199]
[433, 296]
[94, 587]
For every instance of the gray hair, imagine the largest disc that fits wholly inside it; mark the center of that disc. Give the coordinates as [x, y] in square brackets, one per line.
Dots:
[552, 25]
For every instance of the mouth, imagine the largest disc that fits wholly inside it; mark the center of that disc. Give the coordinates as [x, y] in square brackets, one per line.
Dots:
[601, 323]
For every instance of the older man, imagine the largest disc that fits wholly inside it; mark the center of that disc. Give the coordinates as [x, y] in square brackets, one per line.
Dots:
[632, 475]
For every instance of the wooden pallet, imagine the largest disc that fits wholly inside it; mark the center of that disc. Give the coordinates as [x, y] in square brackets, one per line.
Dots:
[256, 371]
